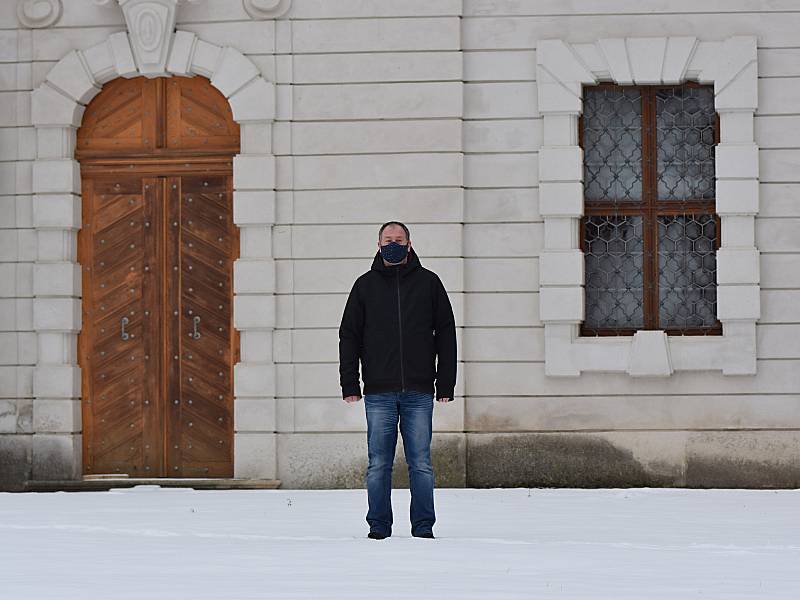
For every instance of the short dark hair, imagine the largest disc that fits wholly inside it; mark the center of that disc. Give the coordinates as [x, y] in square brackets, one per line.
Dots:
[388, 223]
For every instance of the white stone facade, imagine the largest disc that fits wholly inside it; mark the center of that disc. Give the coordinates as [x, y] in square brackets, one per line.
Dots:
[457, 117]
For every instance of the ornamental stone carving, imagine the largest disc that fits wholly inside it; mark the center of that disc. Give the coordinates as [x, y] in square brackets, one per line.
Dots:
[151, 24]
[38, 13]
[266, 9]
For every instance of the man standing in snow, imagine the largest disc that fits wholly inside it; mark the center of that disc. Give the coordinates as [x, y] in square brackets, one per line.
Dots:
[398, 321]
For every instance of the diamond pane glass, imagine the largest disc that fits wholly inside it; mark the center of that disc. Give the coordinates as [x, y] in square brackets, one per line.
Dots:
[613, 248]
[685, 122]
[687, 271]
[612, 144]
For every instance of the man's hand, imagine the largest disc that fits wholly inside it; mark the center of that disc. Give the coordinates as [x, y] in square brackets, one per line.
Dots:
[357, 398]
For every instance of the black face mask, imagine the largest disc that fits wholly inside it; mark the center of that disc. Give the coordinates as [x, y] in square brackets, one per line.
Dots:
[394, 252]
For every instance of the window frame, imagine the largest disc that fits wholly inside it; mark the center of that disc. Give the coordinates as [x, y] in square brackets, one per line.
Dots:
[649, 208]
[562, 68]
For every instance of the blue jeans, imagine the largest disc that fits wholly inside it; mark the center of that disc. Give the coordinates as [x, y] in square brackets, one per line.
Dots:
[414, 410]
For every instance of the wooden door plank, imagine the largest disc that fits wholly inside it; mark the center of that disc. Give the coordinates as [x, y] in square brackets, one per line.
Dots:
[154, 326]
[85, 259]
[206, 306]
[172, 318]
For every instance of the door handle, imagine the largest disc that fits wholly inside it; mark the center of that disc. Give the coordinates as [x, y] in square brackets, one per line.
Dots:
[125, 335]
[196, 322]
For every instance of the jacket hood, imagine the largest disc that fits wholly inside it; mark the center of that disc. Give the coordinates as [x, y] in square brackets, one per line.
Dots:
[405, 269]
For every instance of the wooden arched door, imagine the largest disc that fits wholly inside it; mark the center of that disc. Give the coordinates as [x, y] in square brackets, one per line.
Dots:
[156, 248]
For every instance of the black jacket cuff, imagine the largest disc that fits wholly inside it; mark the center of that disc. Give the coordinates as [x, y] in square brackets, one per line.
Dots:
[351, 391]
[444, 392]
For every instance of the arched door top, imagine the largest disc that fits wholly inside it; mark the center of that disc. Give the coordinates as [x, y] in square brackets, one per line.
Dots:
[157, 117]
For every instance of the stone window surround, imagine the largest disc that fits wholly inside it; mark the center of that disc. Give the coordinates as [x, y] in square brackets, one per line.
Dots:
[562, 70]
[57, 106]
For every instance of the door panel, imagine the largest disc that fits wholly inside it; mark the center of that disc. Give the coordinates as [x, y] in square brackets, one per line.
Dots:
[158, 257]
[123, 118]
[208, 238]
[117, 246]
[198, 116]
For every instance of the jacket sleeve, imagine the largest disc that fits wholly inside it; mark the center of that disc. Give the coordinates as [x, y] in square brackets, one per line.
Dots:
[445, 338]
[350, 337]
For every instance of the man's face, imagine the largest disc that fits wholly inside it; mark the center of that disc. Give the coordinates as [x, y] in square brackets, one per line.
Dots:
[393, 233]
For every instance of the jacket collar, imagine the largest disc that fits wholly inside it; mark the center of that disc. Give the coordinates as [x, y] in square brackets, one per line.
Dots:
[405, 269]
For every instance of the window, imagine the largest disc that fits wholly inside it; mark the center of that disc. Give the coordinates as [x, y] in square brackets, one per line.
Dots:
[567, 74]
[649, 232]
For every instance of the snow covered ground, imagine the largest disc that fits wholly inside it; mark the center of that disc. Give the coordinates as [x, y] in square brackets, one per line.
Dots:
[152, 543]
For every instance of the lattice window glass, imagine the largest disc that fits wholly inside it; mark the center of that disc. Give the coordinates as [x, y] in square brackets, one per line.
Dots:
[649, 234]
[614, 284]
[612, 164]
[686, 271]
[685, 120]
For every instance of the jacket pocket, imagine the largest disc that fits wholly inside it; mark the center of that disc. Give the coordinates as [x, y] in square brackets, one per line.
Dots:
[419, 353]
[380, 360]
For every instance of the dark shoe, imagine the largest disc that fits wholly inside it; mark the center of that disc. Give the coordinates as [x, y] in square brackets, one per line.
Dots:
[376, 535]
[424, 534]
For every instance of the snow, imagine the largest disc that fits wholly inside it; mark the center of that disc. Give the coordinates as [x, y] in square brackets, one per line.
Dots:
[153, 543]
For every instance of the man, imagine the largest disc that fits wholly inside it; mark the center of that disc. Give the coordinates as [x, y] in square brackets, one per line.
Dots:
[397, 321]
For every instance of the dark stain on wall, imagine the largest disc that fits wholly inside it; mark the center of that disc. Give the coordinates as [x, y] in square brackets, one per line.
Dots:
[723, 472]
[15, 462]
[53, 460]
[342, 478]
[555, 460]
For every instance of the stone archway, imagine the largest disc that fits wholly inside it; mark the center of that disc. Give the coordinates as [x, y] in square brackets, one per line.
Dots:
[57, 106]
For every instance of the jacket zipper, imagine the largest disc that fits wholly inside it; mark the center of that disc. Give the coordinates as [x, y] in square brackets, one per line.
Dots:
[400, 322]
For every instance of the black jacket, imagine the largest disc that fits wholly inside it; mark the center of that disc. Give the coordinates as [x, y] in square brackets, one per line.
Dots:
[398, 320]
